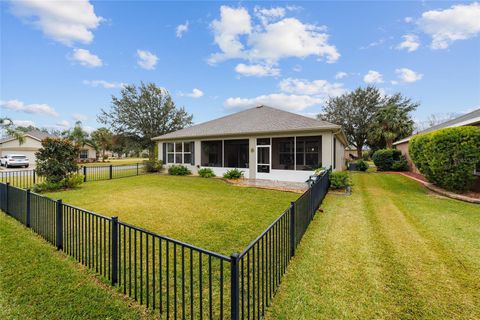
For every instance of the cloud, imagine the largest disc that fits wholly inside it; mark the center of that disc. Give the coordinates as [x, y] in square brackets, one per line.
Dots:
[63, 124]
[104, 84]
[23, 123]
[319, 88]
[373, 77]
[146, 59]
[36, 108]
[408, 19]
[410, 43]
[79, 117]
[407, 76]
[67, 22]
[257, 70]
[459, 22]
[239, 38]
[85, 58]
[276, 100]
[341, 75]
[374, 44]
[181, 29]
[196, 93]
[268, 15]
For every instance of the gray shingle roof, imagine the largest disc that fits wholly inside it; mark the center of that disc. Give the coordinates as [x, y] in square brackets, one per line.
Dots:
[255, 120]
[40, 135]
[471, 118]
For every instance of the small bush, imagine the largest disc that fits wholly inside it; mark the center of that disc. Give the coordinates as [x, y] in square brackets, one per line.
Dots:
[447, 157]
[153, 165]
[206, 173]
[361, 165]
[233, 174]
[384, 158]
[71, 182]
[339, 180]
[178, 170]
[400, 165]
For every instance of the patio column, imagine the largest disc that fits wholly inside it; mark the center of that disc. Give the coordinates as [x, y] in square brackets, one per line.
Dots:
[252, 154]
[327, 149]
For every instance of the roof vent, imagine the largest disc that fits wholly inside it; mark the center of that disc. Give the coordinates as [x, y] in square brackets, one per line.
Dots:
[260, 105]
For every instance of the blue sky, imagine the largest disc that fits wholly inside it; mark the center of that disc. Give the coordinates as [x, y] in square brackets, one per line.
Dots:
[62, 61]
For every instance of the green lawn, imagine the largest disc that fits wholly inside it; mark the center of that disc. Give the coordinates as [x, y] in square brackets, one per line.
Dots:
[37, 282]
[205, 212]
[391, 250]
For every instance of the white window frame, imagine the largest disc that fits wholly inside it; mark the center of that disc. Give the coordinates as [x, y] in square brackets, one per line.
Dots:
[175, 153]
[85, 152]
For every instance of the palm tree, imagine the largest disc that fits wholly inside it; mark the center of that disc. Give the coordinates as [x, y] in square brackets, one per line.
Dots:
[79, 136]
[392, 122]
[7, 125]
[103, 138]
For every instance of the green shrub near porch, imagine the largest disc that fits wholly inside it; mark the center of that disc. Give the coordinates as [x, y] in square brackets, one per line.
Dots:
[447, 157]
[178, 170]
[389, 159]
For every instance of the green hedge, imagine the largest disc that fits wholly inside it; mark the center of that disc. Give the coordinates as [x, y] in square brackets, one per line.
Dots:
[178, 170]
[389, 159]
[447, 157]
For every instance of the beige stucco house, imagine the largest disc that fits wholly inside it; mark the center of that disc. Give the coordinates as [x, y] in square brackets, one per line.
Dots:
[264, 142]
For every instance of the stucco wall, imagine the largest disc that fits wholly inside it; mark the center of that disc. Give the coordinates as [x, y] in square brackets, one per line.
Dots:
[403, 147]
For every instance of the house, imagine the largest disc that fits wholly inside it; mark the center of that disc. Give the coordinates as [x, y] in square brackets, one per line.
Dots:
[264, 142]
[33, 142]
[351, 153]
[469, 119]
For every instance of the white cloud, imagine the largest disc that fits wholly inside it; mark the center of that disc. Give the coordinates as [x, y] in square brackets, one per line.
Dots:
[79, 117]
[268, 41]
[373, 77]
[104, 84]
[320, 88]
[67, 22]
[410, 43]
[23, 123]
[86, 58]
[196, 93]
[408, 19]
[63, 124]
[36, 108]
[181, 29]
[341, 75]
[268, 15]
[146, 59]
[407, 75]
[257, 70]
[459, 22]
[276, 100]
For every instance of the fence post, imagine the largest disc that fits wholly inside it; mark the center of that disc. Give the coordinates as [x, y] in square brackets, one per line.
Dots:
[34, 174]
[6, 197]
[137, 168]
[292, 229]
[59, 225]
[28, 208]
[84, 174]
[234, 284]
[114, 240]
[111, 168]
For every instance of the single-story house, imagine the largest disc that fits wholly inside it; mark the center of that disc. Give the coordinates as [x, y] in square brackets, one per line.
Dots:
[351, 152]
[33, 142]
[469, 119]
[264, 142]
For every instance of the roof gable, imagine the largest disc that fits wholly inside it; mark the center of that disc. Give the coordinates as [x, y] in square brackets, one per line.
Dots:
[254, 120]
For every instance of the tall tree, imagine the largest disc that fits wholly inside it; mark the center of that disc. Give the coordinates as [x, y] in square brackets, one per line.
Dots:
[78, 135]
[354, 111]
[144, 112]
[103, 138]
[7, 126]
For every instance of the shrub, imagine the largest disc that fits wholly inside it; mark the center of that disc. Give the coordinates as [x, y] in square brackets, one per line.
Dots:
[361, 165]
[178, 170]
[206, 173]
[71, 182]
[153, 165]
[57, 159]
[366, 156]
[400, 165]
[447, 157]
[233, 174]
[384, 158]
[339, 180]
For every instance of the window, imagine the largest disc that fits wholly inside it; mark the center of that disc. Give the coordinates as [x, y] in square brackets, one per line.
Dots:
[212, 153]
[309, 153]
[187, 152]
[283, 153]
[179, 152]
[235, 153]
[84, 154]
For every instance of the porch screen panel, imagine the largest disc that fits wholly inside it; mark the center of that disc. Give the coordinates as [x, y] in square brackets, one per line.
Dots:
[211, 153]
[309, 153]
[283, 153]
[236, 153]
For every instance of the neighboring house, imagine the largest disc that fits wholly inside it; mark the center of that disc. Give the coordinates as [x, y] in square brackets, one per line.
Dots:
[469, 119]
[264, 142]
[351, 153]
[87, 153]
[33, 142]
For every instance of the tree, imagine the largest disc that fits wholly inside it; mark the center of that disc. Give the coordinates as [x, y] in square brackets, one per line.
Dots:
[57, 159]
[103, 138]
[9, 128]
[391, 122]
[144, 112]
[354, 111]
[77, 135]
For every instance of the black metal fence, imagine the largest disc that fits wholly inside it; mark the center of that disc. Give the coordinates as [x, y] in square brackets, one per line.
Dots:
[27, 178]
[177, 279]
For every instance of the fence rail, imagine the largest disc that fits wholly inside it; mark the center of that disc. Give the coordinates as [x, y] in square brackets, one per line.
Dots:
[177, 279]
[28, 178]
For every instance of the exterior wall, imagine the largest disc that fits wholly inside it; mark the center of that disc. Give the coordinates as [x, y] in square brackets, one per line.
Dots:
[28, 148]
[403, 147]
[92, 153]
[251, 172]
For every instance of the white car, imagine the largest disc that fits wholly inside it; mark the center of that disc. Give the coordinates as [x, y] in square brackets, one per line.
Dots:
[14, 160]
